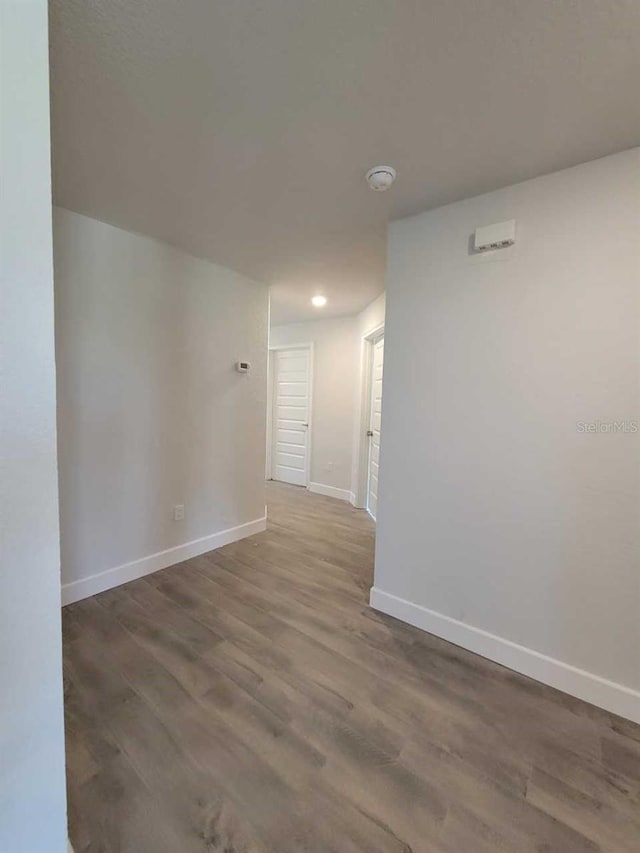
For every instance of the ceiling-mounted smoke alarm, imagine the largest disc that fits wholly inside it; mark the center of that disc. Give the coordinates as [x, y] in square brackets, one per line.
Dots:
[380, 178]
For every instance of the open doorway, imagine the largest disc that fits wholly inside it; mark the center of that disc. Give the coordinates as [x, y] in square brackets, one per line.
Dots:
[369, 429]
[374, 417]
[324, 397]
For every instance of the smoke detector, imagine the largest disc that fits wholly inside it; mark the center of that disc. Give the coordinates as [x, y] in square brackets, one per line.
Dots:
[380, 178]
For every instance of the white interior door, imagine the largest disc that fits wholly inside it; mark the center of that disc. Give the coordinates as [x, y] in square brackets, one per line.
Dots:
[291, 405]
[375, 409]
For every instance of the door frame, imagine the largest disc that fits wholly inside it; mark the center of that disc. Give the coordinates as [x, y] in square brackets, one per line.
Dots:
[362, 444]
[308, 345]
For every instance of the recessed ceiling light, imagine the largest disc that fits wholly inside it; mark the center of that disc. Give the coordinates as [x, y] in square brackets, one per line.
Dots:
[319, 301]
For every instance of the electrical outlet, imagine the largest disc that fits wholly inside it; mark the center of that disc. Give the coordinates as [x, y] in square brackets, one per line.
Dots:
[329, 466]
[178, 512]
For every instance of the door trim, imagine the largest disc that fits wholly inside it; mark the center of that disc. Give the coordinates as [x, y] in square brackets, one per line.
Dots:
[270, 401]
[362, 444]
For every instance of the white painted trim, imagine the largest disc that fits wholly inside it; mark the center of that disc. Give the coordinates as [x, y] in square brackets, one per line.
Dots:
[270, 401]
[361, 449]
[269, 424]
[352, 498]
[312, 367]
[375, 333]
[303, 345]
[609, 695]
[85, 587]
[69, 847]
[330, 491]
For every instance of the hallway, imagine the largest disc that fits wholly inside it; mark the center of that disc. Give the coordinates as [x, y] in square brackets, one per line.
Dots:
[249, 701]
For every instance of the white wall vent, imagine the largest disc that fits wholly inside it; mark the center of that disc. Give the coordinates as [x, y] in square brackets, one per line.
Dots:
[496, 236]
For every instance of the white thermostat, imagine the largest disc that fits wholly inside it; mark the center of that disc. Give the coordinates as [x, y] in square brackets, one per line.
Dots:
[243, 366]
[497, 236]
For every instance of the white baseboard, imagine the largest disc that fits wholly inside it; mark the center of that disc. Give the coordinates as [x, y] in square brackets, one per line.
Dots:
[330, 491]
[85, 587]
[613, 697]
[358, 504]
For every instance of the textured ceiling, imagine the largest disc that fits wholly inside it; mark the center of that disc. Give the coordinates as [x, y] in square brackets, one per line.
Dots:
[239, 130]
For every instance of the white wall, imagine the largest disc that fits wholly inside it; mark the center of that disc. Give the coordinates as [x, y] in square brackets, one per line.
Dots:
[151, 410]
[334, 378]
[372, 317]
[495, 511]
[32, 787]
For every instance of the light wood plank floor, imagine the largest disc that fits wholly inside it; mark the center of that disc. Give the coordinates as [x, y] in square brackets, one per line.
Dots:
[249, 701]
